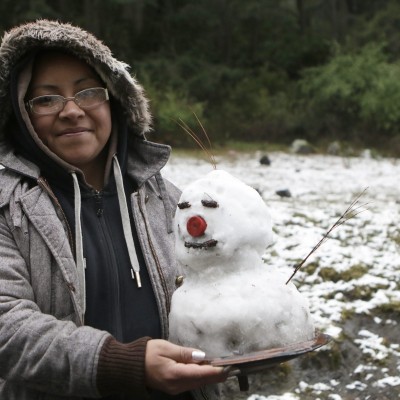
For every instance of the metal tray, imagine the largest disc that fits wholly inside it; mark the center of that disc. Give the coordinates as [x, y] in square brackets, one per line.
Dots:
[245, 364]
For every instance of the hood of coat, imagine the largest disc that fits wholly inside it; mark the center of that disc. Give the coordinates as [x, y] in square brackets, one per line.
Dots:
[29, 38]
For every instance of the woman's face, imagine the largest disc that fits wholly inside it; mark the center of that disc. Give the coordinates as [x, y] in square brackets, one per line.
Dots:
[75, 135]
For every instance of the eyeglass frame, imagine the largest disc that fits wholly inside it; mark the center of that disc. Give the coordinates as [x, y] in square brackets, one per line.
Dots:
[29, 103]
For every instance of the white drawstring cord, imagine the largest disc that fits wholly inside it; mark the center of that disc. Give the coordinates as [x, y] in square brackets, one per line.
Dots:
[80, 260]
[126, 225]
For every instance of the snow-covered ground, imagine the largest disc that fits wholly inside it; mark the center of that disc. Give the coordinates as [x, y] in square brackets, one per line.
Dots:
[352, 281]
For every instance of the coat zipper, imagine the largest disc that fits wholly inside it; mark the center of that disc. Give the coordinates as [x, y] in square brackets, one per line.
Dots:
[42, 182]
[154, 253]
[114, 271]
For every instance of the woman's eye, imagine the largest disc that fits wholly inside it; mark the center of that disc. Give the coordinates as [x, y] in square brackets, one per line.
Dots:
[88, 93]
[45, 101]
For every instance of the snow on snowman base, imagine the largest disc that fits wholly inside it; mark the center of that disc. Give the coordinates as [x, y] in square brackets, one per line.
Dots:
[231, 302]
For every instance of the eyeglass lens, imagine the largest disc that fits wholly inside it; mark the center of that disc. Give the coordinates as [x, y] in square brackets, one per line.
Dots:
[88, 98]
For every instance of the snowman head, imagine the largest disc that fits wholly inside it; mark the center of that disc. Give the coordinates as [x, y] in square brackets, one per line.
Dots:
[219, 219]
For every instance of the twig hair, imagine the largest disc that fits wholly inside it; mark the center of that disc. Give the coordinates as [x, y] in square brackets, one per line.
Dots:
[197, 139]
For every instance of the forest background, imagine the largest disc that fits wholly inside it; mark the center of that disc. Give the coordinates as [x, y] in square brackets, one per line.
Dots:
[253, 71]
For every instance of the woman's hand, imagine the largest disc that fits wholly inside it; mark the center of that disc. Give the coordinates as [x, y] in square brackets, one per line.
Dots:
[174, 369]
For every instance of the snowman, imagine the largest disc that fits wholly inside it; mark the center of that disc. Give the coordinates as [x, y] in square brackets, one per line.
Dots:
[231, 302]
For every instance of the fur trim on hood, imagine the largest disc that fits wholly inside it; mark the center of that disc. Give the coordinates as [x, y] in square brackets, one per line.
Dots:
[45, 34]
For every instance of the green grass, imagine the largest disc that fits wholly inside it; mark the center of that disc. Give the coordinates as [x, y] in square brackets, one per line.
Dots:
[388, 308]
[227, 147]
[239, 146]
[395, 238]
[355, 272]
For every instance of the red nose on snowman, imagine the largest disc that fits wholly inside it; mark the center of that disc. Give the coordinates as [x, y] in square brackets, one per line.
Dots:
[196, 226]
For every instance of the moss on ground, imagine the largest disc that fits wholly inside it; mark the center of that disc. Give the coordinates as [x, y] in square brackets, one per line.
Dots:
[331, 274]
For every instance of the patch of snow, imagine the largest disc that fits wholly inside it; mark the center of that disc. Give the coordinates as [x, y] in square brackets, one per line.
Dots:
[372, 345]
[357, 385]
[334, 397]
[388, 381]
[285, 396]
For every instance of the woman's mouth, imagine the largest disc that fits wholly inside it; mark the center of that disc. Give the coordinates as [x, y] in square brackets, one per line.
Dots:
[73, 131]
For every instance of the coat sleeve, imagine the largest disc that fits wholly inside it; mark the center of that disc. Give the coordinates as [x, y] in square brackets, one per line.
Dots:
[36, 349]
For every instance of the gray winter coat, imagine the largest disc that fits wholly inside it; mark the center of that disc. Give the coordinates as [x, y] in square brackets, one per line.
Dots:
[44, 346]
[42, 341]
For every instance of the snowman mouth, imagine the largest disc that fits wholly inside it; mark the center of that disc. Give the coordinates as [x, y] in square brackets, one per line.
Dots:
[204, 245]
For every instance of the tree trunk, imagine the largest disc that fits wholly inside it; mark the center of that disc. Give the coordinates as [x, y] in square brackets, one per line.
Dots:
[302, 18]
[339, 18]
[91, 13]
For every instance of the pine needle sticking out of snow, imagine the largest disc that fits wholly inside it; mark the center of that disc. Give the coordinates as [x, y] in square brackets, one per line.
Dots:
[352, 210]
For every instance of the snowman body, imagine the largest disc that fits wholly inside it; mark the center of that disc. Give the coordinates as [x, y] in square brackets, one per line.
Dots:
[230, 301]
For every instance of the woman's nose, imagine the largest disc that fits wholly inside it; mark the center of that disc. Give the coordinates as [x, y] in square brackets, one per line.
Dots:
[71, 109]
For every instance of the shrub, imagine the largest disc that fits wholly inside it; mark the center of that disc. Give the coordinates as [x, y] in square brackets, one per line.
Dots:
[355, 92]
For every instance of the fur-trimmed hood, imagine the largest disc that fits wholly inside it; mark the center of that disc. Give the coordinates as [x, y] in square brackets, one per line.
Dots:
[45, 34]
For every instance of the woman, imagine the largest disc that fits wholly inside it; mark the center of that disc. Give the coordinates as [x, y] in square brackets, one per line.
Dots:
[86, 249]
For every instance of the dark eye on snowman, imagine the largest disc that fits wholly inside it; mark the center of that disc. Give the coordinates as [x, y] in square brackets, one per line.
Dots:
[210, 203]
[184, 204]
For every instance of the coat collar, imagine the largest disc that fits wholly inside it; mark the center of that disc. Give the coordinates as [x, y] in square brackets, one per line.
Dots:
[145, 159]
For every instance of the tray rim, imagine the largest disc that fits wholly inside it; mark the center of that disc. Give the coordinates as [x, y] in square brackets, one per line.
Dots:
[272, 356]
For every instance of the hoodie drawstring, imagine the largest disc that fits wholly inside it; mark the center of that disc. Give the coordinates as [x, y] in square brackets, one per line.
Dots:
[80, 260]
[126, 225]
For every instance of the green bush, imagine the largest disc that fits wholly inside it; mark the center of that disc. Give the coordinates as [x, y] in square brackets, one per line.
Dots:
[230, 102]
[173, 110]
[354, 92]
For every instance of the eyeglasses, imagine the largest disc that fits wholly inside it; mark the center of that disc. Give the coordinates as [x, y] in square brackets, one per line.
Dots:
[53, 103]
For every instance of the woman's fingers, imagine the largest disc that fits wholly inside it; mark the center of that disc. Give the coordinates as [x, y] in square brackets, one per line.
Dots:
[175, 369]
